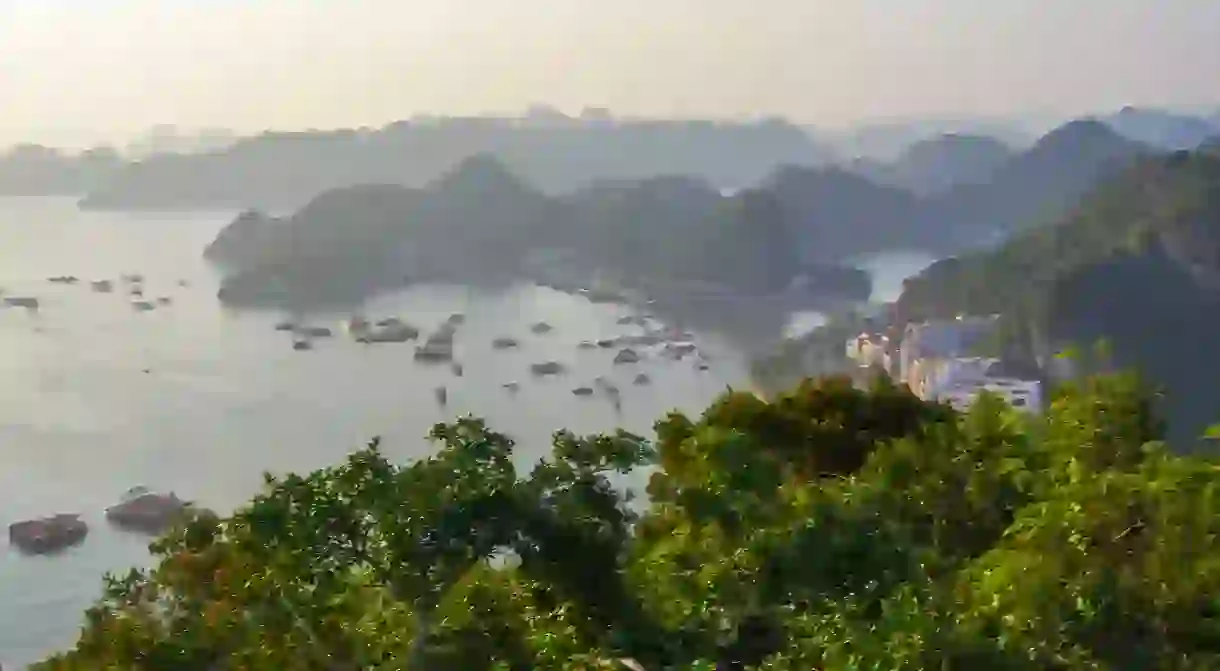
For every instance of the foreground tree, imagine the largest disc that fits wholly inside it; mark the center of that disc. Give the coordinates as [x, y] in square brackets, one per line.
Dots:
[827, 528]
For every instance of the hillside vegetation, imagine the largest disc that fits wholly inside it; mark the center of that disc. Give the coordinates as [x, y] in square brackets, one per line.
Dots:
[480, 220]
[1137, 263]
[481, 224]
[828, 528]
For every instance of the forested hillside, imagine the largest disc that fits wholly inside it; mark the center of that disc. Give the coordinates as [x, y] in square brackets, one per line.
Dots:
[1137, 264]
[480, 224]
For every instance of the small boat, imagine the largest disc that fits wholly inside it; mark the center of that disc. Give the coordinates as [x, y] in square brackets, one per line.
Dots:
[132, 278]
[677, 351]
[504, 342]
[302, 345]
[102, 286]
[546, 368]
[386, 330]
[627, 355]
[27, 302]
[434, 352]
[164, 300]
[142, 306]
[583, 391]
[541, 328]
[285, 326]
[442, 395]
[644, 340]
[48, 534]
[313, 331]
[457, 369]
[147, 512]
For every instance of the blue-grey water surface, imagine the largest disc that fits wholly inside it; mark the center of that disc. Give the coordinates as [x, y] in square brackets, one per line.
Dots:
[96, 398]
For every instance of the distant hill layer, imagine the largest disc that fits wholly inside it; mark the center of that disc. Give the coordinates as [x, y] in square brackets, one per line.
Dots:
[985, 193]
[481, 224]
[937, 164]
[34, 170]
[283, 170]
[1039, 185]
[1137, 264]
[286, 170]
[672, 227]
[1159, 128]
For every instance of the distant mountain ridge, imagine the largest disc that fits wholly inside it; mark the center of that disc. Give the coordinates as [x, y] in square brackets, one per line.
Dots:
[486, 215]
[885, 142]
[286, 170]
[1159, 128]
[34, 170]
[934, 165]
[283, 170]
[1040, 185]
[993, 192]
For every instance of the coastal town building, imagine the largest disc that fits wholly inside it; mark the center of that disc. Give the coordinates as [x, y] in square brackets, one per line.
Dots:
[960, 381]
[935, 362]
[1023, 395]
[869, 350]
[945, 339]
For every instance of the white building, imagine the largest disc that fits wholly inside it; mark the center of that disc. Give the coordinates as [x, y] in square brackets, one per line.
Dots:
[959, 382]
[932, 375]
[945, 339]
[869, 349]
[1023, 395]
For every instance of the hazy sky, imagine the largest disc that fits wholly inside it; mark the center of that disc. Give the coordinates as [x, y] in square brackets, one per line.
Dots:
[93, 67]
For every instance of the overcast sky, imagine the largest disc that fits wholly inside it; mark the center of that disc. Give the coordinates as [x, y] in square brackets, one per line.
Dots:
[115, 67]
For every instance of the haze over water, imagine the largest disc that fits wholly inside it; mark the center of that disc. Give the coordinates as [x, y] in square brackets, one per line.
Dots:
[96, 398]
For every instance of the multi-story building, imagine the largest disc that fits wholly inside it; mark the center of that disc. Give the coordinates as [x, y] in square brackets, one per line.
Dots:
[870, 349]
[1024, 395]
[935, 363]
[948, 339]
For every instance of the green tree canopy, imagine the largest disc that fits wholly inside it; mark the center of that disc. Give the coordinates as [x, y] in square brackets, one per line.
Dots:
[828, 527]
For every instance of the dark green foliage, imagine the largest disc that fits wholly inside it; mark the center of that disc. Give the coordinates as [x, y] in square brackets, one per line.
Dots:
[479, 224]
[828, 528]
[1138, 264]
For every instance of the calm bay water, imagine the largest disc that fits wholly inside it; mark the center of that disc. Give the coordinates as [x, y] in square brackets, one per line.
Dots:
[887, 269]
[96, 398]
